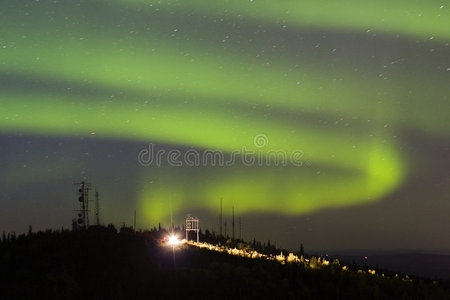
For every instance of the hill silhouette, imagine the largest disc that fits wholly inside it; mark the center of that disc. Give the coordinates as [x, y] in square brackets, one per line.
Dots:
[103, 264]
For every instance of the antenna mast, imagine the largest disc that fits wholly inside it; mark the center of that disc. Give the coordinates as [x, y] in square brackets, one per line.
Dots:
[226, 232]
[220, 218]
[240, 228]
[134, 221]
[233, 222]
[97, 208]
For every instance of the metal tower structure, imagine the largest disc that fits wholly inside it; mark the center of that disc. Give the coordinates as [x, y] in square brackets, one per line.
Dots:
[83, 199]
[192, 225]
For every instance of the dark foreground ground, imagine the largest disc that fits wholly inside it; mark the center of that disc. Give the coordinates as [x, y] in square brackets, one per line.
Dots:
[102, 264]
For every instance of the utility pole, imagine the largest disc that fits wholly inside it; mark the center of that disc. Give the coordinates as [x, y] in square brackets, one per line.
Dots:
[87, 207]
[240, 228]
[220, 218]
[225, 223]
[232, 224]
[97, 208]
[134, 221]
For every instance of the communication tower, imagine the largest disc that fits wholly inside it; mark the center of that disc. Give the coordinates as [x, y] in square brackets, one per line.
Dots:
[83, 199]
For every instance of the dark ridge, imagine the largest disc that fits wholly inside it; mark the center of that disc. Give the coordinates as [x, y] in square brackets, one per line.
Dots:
[102, 264]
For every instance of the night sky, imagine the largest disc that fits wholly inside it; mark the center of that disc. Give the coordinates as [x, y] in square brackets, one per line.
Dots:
[359, 89]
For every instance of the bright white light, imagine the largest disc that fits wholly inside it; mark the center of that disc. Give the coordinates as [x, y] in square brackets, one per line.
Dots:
[173, 240]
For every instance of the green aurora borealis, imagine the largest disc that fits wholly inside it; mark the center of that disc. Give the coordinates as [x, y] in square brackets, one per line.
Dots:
[345, 82]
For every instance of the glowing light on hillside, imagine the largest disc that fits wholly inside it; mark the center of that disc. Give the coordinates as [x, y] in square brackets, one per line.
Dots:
[173, 240]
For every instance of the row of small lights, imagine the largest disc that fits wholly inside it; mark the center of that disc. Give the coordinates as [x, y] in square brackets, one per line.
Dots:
[173, 240]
